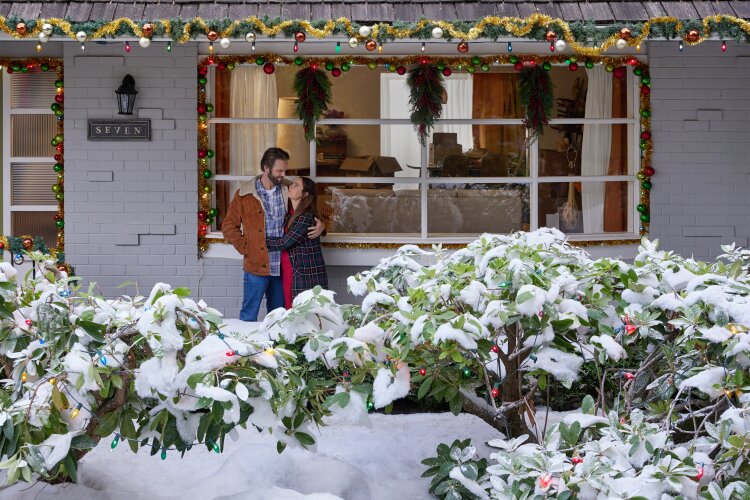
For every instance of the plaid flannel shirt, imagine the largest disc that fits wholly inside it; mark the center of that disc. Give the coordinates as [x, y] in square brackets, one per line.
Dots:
[275, 213]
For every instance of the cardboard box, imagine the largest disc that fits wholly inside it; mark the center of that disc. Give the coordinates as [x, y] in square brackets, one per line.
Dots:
[377, 166]
[438, 152]
[445, 138]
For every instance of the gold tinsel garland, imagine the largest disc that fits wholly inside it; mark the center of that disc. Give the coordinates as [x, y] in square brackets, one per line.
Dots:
[228, 62]
[517, 27]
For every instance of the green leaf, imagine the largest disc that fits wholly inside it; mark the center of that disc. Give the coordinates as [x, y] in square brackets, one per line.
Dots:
[523, 297]
[424, 387]
[280, 446]
[94, 330]
[182, 292]
[304, 438]
[108, 423]
[587, 405]
[341, 399]
[470, 470]
[82, 442]
[456, 404]
[70, 468]
[198, 378]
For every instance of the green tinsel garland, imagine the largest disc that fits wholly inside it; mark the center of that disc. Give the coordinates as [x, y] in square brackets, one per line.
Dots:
[425, 97]
[313, 91]
[584, 32]
[537, 97]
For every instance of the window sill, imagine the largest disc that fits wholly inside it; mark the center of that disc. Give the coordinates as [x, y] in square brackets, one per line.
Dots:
[369, 250]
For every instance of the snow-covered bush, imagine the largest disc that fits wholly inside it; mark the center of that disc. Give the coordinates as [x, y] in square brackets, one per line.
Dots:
[486, 328]
[153, 371]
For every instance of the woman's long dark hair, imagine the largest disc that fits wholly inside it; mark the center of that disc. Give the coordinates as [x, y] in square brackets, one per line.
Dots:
[308, 203]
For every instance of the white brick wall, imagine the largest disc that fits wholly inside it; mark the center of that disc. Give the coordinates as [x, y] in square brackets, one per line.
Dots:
[701, 132]
[131, 207]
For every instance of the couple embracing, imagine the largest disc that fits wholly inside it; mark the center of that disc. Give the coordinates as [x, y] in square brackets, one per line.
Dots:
[274, 225]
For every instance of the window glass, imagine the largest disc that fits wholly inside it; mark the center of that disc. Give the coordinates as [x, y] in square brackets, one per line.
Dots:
[608, 91]
[586, 207]
[591, 149]
[34, 224]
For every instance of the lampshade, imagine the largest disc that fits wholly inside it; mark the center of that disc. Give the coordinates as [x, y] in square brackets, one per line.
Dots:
[291, 138]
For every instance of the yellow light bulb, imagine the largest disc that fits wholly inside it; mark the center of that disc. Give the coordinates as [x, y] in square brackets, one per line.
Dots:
[75, 412]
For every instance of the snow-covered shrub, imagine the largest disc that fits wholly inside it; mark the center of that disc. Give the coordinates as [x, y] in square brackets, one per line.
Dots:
[153, 371]
[487, 327]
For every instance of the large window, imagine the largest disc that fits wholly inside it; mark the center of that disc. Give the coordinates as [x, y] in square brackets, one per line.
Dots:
[29, 204]
[478, 172]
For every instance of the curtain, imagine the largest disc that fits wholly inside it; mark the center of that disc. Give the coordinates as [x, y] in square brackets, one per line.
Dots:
[596, 145]
[616, 193]
[253, 96]
[459, 89]
[496, 96]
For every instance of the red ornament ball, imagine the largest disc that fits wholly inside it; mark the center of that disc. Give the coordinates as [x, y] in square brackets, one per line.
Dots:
[518, 66]
[59, 98]
[2, 245]
[633, 61]
[28, 322]
[495, 392]
[203, 70]
[300, 37]
[336, 72]
[646, 135]
[463, 47]
[371, 45]
[576, 460]
[422, 372]
[645, 89]
[649, 171]
[573, 66]
[401, 70]
[221, 66]
[201, 108]
[27, 242]
[629, 376]
[447, 71]
[619, 72]
[201, 153]
[212, 36]
[551, 36]
[58, 157]
[495, 349]
[269, 68]
[59, 148]
[202, 215]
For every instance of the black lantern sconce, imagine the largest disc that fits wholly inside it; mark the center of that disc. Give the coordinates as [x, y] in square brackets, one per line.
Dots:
[126, 96]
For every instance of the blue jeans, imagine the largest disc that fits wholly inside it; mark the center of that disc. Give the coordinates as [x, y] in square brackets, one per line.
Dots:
[254, 288]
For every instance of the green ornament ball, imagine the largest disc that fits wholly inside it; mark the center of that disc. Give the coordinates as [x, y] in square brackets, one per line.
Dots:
[202, 80]
[53, 142]
[210, 108]
[202, 118]
[56, 188]
[573, 59]
[645, 113]
[370, 405]
[471, 69]
[547, 66]
[207, 189]
[466, 372]
[476, 60]
[513, 59]
[207, 174]
[589, 64]
[330, 65]
[58, 83]
[638, 71]
[441, 66]
[60, 224]
[230, 66]
[645, 80]
[646, 185]
[609, 68]
[298, 61]
[55, 106]
[59, 138]
[58, 167]
[210, 153]
[644, 145]
[59, 112]
[641, 208]
[345, 67]
[24, 69]
[641, 176]
[213, 212]
[645, 217]
[392, 68]
[260, 61]
[45, 67]
[59, 197]
[372, 65]
[16, 67]
[485, 67]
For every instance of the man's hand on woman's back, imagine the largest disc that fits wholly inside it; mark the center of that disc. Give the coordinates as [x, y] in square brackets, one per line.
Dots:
[316, 230]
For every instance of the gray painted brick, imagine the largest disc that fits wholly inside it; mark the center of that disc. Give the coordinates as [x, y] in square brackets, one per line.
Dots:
[100, 176]
[161, 229]
[710, 114]
[695, 125]
[126, 239]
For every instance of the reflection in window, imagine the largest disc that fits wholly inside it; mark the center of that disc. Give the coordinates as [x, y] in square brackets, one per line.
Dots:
[375, 209]
[585, 207]
[477, 208]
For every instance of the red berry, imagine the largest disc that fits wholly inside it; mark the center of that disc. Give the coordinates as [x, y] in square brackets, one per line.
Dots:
[422, 372]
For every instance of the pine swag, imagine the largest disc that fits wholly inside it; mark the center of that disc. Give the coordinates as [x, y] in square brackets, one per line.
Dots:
[313, 97]
[425, 97]
[537, 99]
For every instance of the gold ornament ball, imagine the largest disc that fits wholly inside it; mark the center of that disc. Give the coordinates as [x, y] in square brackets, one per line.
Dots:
[148, 29]
[353, 43]
[551, 36]
[625, 33]
[463, 47]
[371, 45]
[300, 37]
[212, 36]
[21, 28]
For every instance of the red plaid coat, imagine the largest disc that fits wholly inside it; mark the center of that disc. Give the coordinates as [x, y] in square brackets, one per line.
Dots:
[308, 266]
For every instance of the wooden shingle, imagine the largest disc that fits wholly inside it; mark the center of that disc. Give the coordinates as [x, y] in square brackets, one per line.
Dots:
[25, 10]
[680, 10]
[628, 11]
[595, 11]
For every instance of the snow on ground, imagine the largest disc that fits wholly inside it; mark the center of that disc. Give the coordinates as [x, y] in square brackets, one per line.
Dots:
[351, 462]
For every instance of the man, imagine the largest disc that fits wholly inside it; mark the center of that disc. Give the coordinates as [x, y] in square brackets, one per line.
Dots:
[258, 210]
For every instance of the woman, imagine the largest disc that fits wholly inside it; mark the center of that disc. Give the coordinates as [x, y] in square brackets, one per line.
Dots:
[302, 264]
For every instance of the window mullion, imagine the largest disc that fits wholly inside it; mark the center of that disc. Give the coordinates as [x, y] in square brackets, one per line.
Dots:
[534, 191]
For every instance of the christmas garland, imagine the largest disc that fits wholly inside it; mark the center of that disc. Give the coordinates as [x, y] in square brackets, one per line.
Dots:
[536, 91]
[426, 91]
[313, 91]
[584, 37]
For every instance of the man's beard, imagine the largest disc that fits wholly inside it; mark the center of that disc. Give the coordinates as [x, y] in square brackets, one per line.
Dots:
[276, 181]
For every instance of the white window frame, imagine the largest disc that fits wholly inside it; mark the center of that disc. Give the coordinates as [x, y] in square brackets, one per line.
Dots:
[8, 112]
[424, 181]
